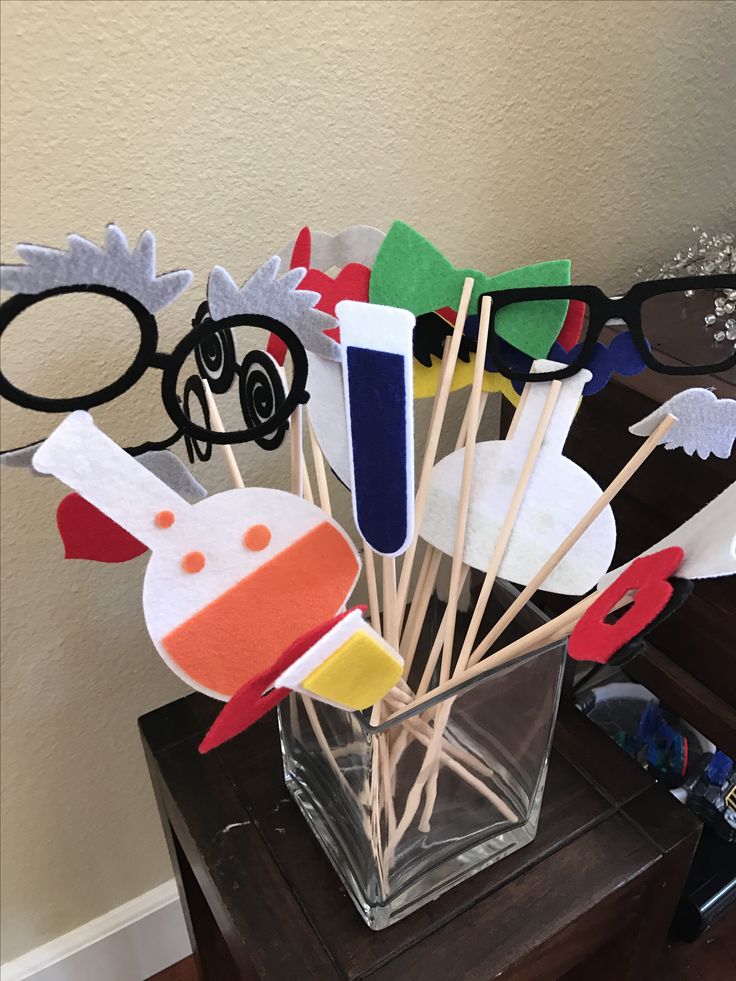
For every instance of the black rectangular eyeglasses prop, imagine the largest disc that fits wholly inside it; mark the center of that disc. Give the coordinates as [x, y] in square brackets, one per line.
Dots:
[644, 310]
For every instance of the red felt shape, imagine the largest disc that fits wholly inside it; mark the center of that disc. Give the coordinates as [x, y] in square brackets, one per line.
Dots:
[351, 283]
[249, 703]
[595, 640]
[89, 534]
[572, 325]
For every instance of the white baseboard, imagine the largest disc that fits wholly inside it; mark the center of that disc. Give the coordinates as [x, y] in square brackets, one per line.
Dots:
[129, 943]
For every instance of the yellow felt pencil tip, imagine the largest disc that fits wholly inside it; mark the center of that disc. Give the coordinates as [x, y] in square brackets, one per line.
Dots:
[357, 674]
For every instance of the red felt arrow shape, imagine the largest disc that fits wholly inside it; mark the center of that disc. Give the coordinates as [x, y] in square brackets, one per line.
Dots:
[87, 533]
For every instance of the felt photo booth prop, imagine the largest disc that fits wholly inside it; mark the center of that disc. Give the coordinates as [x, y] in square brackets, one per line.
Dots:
[559, 493]
[342, 662]
[647, 579]
[708, 540]
[705, 424]
[233, 580]
[128, 276]
[412, 273]
[355, 244]
[377, 359]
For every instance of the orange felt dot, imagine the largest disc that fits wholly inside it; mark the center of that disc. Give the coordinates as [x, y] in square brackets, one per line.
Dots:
[164, 519]
[257, 537]
[193, 562]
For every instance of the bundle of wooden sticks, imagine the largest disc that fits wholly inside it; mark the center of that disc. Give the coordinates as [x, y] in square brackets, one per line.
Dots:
[398, 610]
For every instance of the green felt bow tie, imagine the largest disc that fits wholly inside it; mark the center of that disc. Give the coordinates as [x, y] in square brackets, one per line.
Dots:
[410, 272]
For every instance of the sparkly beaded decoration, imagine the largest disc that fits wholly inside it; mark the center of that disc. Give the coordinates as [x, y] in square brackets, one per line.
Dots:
[708, 255]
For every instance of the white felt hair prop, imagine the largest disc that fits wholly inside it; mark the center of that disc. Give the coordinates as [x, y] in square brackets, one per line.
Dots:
[708, 540]
[270, 296]
[86, 264]
[378, 377]
[559, 493]
[705, 424]
[233, 580]
[358, 243]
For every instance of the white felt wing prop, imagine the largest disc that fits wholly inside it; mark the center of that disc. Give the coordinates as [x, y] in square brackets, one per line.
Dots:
[708, 540]
[358, 243]
[558, 495]
[705, 424]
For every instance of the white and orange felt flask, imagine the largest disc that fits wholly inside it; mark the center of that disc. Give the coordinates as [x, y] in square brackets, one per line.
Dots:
[233, 580]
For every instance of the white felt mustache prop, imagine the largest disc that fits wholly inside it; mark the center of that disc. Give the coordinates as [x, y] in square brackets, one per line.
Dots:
[708, 540]
[233, 580]
[559, 493]
[705, 424]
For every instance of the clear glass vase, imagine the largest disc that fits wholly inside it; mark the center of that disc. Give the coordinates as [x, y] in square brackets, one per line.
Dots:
[407, 808]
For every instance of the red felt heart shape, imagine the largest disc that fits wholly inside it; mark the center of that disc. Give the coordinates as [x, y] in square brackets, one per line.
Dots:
[595, 640]
[87, 533]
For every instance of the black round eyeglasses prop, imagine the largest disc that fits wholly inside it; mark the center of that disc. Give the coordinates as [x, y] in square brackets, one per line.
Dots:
[297, 394]
[215, 356]
[143, 360]
[196, 449]
[261, 393]
[601, 308]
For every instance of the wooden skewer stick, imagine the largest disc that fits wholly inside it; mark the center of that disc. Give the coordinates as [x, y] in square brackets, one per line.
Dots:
[546, 633]
[225, 448]
[437, 646]
[466, 485]
[422, 600]
[463, 434]
[516, 418]
[433, 437]
[390, 611]
[504, 534]
[306, 482]
[295, 433]
[459, 570]
[489, 580]
[577, 532]
[320, 469]
[430, 568]
[369, 563]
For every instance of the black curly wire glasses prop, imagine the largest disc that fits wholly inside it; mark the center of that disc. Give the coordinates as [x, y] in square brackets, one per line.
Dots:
[261, 384]
[265, 403]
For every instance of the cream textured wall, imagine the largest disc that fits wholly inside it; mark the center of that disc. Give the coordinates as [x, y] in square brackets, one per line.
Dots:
[507, 132]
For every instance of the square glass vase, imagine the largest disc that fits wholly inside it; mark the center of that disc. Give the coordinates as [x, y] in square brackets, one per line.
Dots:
[407, 808]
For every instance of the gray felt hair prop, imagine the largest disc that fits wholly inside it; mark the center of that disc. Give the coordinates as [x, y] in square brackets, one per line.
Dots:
[86, 264]
[280, 299]
[163, 463]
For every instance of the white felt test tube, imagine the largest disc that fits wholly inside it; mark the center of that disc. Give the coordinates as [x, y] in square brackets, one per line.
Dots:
[83, 458]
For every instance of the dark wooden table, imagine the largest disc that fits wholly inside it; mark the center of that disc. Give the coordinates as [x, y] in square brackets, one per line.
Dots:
[590, 898]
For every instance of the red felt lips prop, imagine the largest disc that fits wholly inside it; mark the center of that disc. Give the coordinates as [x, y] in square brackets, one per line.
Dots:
[595, 640]
[89, 534]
